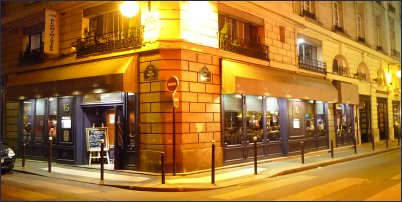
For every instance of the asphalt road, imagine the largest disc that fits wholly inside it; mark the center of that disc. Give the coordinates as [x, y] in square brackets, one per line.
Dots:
[372, 178]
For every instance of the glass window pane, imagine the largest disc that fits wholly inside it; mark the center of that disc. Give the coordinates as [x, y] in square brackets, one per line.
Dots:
[27, 120]
[319, 110]
[39, 120]
[254, 118]
[310, 117]
[52, 122]
[103, 97]
[273, 126]
[233, 119]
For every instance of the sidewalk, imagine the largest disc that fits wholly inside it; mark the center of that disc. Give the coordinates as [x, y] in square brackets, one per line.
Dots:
[224, 176]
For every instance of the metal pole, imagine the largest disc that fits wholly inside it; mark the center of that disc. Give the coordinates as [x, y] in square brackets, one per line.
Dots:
[163, 166]
[213, 163]
[399, 140]
[386, 141]
[332, 148]
[49, 160]
[355, 145]
[23, 155]
[302, 151]
[255, 155]
[102, 156]
[174, 141]
[372, 141]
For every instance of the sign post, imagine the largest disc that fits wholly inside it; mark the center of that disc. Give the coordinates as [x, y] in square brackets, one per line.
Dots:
[171, 85]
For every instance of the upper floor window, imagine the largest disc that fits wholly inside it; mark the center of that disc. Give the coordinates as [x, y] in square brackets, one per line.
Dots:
[378, 31]
[392, 33]
[307, 8]
[337, 15]
[33, 43]
[308, 51]
[108, 23]
[236, 29]
[359, 26]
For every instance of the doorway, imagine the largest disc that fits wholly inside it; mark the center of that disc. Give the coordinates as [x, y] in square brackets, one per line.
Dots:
[382, 118]
[365, 120]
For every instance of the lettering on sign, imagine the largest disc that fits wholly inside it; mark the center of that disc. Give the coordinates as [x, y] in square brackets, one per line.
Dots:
[94, 136]
[51, 39]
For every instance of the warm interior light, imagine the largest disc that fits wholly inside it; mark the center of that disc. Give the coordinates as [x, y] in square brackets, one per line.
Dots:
[388, 77]
[129, 8]
[398, 74]
[300, 40]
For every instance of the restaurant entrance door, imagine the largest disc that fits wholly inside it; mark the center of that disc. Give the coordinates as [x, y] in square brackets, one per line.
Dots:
[382, 118]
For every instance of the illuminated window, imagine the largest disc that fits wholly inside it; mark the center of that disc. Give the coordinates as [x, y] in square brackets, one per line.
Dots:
[233, 119]
[272, 117]
[238, 30]
[308, 51]
[254, 118]
[108, 23]
[33, 39]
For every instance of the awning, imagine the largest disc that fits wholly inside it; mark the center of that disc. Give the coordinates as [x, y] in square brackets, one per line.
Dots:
[99, 76]
[254, 80]
[348, 93]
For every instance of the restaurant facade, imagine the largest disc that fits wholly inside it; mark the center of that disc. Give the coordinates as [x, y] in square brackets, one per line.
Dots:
[244, 71]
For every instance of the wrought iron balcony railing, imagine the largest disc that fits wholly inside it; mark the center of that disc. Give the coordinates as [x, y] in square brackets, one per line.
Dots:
[361, 76]
[361, 39]
[338, 28]
[240, 46]
[308, 14]
[125, 38]
[395, 53]
[312, 65]
[32, 57]
[379, 48]
[339, 70]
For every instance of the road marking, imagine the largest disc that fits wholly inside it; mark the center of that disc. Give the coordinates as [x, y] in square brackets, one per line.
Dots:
[396, 177]
[109, 176]
[52, 185]
[324, 189]
[262, 188]
[218, 177]
[390, 194]
[23, 193]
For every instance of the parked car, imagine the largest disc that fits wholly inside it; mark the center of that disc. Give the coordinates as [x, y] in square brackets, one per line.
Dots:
[7, 158]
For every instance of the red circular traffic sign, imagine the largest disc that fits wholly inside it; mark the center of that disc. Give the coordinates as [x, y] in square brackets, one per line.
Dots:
[172, 83]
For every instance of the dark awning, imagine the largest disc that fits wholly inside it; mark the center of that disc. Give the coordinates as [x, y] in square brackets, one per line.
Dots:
[99, 76]
[347, 93]
[254, 80]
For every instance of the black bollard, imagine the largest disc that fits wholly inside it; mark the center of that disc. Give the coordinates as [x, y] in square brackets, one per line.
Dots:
[163, 166]
[23, 155]
[386, 142]
[302, 151]
[332, 148]
[355, 145]
[102, 156]
[399, 140]
[372, 142]
[255, 155]
[213, 163]
[49, 160]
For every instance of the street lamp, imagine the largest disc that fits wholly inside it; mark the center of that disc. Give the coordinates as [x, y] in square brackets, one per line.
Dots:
[129, 8]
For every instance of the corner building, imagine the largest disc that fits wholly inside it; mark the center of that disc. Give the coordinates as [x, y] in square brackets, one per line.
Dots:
[281, 72]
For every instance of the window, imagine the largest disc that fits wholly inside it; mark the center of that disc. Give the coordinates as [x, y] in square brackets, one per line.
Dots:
[307, 51]
[239, 30]
[233, 119]
[273, 126]
[307, 6]
[378, 31]
[282, 34]
[33, 39]
[108, 23]
[392, 33]
[336, 14]
[52, 118]
[254, 118]
[359, 26]
[27, 120]
[39, 120]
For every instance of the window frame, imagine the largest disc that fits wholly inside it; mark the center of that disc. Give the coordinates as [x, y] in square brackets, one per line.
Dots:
[336, 13]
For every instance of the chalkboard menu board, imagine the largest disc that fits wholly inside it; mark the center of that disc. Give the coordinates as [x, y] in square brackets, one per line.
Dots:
[94, 136]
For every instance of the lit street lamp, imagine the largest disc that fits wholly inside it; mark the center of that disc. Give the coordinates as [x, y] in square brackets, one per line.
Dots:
[129, 8]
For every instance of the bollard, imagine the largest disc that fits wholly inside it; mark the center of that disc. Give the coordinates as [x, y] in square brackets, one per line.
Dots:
[399, 140]
[372, 142]
[102, 156]
[213, 163]
[354, 144]
[302, 151]
[50, 156]
[23, 155]
[332, 148]
[163, 166]
[255, 155]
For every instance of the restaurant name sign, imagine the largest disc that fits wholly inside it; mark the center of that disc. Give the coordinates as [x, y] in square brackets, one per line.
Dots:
[51, 38]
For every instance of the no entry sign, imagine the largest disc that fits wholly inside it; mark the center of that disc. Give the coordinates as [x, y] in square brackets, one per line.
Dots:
[172, 83]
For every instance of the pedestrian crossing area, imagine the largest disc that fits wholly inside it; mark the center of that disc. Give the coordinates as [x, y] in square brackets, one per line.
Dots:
[316, 192]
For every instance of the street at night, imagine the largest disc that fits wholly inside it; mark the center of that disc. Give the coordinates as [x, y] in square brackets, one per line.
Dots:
[371, 178]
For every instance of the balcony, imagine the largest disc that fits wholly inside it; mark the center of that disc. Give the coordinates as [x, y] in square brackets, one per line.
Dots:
[32, 57]
[308, 14]
[312, 65]
[339, 70]
[338, 28]
[361, 39]
[361, 76]
[379, 48]
[395, 53]
[391, 8]
[125, 38]
[240, 46]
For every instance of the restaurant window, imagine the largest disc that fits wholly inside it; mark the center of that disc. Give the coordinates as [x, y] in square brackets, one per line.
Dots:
[27, 120]
[254, 118]
[320, 120]
[310, 119]
[238, 30]
[52, 119]
[233, 119]
[40, 120]
[272, 118]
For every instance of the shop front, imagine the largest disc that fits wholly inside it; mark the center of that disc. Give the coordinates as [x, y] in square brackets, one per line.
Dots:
[281, 110]
[67, 102]
[396, 112]
[365, 118]
[382, 116]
